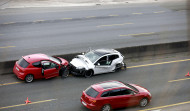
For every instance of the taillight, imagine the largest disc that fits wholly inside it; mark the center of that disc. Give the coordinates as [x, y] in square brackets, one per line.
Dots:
[91, 100]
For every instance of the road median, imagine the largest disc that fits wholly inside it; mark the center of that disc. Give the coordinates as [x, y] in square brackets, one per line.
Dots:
[6, 67]
[71, 3]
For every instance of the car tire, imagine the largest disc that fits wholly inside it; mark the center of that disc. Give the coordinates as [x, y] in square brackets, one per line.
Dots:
[29, 78]
[106, 107]
[88, 73]
[143, 102]
[65, 73]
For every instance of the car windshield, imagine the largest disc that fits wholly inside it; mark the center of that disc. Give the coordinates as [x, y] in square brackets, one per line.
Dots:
[91, 92]
[92, 56]
[54, 59]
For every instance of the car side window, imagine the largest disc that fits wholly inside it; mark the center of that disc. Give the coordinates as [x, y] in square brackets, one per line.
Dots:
[49, 65]
[37, 64]
[111, 58]
[103, 61]
[53, 65]
[126, 92]
[115, 92]
[105, 94]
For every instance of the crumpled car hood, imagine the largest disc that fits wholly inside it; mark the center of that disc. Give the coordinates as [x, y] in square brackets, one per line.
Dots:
[82, 62]
[63, 61]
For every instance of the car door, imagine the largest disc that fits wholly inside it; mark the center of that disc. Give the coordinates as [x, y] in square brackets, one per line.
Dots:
[113, 60]
[50, 69]
[102, 65]
[37, 70]
[111, 97]
[128, 97]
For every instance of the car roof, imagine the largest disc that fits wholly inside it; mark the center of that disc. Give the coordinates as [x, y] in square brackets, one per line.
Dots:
[102, 52]
[108, 85]
[35, 57]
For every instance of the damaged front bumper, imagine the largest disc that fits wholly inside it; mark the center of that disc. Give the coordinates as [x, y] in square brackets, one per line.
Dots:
[75, 71]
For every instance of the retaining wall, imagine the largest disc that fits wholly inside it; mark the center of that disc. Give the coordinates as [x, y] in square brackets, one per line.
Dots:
[129, 53]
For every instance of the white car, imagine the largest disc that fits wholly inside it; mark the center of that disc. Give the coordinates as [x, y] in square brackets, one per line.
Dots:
[97, 62]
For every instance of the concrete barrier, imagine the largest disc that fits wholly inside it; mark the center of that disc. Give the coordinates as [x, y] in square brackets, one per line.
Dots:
[155, 49]
[129, 53]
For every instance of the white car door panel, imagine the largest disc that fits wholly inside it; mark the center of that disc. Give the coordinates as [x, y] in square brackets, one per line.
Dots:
[102, 69]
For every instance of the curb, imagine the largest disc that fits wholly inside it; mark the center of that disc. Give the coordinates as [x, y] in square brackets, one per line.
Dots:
[6, 67]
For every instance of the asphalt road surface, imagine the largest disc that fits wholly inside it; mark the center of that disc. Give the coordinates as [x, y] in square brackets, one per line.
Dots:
[57, 31]
[163, 77]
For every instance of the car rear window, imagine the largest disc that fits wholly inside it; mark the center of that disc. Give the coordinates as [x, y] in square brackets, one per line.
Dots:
[91, 92]
[23, 63]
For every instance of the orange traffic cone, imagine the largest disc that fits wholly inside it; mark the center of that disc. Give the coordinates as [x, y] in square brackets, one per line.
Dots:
[27, 101]
[187, 74]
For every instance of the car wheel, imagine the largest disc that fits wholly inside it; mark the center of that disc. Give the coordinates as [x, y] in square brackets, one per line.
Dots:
[106, 107]
[88, 73]
[29, 78]
[143, 102]
[65, 73]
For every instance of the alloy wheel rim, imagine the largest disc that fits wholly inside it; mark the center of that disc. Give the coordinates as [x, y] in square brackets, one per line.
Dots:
[106, 108]
[144, 102]
[29, 78]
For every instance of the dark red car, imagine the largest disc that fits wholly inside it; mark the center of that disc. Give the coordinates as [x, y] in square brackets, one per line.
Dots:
[37, 66]
[113, 94]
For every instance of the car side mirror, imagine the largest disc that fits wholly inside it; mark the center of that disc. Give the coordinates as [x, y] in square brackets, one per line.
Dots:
[97, 64]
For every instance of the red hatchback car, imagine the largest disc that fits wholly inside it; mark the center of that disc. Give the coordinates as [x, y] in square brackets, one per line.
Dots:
[37, 66]
[113, 94]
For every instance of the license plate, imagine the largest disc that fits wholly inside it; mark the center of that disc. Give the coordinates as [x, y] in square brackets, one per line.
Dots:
[17, 69]
[84, 103]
